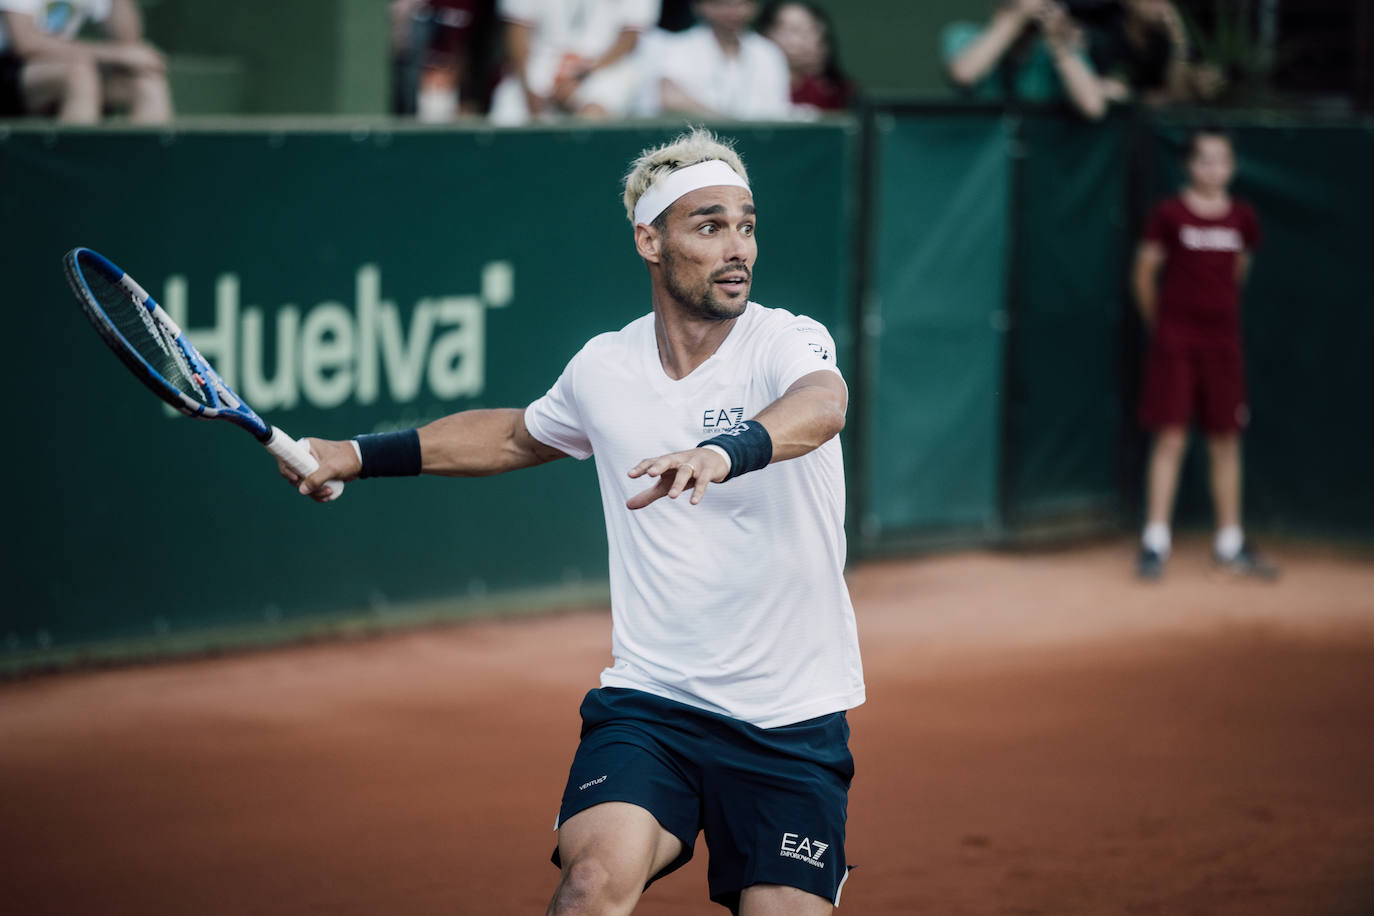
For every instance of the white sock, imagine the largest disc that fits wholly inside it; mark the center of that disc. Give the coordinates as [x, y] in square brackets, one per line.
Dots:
[1228, 542]
[1156, 538]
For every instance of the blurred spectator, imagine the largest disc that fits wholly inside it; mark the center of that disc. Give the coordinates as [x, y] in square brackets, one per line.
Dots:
[806, 35]
[1031, 51]
[721, 68]
[434, 72]
[1143, 47]
[46, 70]
[1187, 277]
[570, 57]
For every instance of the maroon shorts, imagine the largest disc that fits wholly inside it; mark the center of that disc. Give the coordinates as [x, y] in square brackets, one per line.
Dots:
[1193, 380]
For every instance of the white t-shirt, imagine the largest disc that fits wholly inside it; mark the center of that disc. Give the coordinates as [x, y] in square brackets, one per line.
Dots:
[753, 84]
[585, 28]
[63, 19]
[737, 605]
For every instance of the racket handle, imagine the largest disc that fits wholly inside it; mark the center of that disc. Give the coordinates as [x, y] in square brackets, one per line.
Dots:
[296, 456]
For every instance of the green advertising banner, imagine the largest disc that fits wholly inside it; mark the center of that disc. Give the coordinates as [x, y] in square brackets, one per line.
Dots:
[1063, 402]
[934, 322]
[345, 282]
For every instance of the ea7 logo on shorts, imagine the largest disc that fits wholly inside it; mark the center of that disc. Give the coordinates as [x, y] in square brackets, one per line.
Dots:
[795, 846]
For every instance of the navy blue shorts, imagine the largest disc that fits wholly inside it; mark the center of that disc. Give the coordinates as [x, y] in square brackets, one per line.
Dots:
[771, 801]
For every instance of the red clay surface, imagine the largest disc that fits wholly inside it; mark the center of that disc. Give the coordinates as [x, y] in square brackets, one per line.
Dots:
[1043, 736]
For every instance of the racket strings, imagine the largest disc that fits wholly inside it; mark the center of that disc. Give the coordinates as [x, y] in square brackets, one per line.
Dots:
[148, 337]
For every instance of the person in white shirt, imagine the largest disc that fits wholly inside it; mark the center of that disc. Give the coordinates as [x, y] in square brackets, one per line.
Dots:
[45, 69]
[735, 647]
[570, 57]
[723, 69]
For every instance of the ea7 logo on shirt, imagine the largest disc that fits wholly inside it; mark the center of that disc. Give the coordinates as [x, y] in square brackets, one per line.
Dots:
[721, 417]
[804, 849]
[819, 349]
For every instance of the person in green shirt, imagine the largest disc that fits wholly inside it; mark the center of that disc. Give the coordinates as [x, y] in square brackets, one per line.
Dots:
[1030, 50]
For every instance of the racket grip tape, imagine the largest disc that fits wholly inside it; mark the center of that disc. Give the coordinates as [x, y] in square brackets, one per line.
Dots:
[296, 456]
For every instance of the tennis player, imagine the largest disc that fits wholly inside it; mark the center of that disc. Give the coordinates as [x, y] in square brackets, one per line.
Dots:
[735, 648]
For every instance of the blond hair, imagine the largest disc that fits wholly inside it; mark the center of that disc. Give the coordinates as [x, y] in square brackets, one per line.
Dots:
[697, 145]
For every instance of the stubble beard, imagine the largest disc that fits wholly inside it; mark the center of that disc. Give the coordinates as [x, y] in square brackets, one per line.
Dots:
[702, 301]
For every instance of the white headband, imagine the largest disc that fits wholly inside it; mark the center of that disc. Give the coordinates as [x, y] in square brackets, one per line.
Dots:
[708, 174]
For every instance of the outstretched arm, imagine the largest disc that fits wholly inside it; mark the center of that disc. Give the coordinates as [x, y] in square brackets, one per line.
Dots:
[983, 53]
[1085, 89]
[473, 443]
[809, 414]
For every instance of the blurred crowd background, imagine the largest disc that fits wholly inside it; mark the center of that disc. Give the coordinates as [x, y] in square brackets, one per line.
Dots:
[515, 61]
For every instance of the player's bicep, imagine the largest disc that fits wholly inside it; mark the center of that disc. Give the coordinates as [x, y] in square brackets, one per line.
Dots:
[825, 383]
[528, 447]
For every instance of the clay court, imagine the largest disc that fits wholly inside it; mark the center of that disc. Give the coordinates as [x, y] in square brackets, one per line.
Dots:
[1043, 736]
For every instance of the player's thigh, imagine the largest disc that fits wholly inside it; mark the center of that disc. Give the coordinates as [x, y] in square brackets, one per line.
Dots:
[624, 841]
[774, 811]
[778, 900]
[45, 83]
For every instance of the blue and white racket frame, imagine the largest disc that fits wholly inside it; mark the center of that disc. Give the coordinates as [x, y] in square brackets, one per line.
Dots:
[222, 402]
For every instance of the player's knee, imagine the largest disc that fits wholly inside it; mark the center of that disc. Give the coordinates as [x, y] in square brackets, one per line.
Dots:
[589, 887]
[1171, 440]
[151, 87]
[1223, 445]
[82, 76]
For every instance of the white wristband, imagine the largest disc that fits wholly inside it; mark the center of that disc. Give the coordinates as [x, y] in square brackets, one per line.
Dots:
[722, 453]
[357, 450]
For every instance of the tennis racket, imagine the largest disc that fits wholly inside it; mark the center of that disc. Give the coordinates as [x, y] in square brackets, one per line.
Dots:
[149, 343]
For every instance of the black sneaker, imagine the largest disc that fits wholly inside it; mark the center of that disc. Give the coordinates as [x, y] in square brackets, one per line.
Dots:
[1248, 562]
[1149, 565]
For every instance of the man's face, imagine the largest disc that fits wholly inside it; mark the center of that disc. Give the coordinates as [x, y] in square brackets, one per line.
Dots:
[1212, 164]
[708, 251]
[731, 16]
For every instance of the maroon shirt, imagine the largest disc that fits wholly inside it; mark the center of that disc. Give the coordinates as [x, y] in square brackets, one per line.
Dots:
[823, 94]
[1198, 290]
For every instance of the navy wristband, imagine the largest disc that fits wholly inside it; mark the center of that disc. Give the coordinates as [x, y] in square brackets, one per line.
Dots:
[390, 454]
[748, 445]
